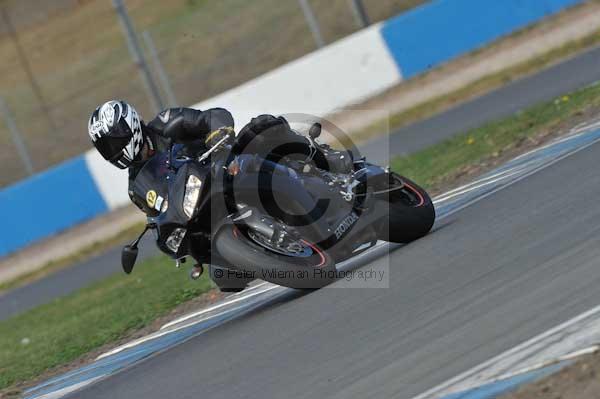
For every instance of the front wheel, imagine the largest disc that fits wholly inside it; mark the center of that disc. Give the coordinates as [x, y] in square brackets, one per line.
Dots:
[299, 264]
[229, 280]
[411, 213]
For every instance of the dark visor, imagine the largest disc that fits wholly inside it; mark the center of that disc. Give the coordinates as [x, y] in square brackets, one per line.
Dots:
[113, 143]
[109, 147]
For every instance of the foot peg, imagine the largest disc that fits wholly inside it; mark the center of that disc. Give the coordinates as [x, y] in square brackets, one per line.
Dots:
[196, 272]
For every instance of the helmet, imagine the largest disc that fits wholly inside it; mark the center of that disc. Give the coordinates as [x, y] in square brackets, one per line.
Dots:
[116, 132]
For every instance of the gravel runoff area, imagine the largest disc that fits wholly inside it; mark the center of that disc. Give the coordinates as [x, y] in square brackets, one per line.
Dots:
[580, 380]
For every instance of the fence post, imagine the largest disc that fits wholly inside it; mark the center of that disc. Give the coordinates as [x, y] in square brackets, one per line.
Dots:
[158, 67]
[313, 24]
[137, 55]
[16, 136]
[33, 82]
[360, 14]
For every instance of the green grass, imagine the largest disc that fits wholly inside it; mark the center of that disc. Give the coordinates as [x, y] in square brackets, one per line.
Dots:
[67, 328]
[441, 162]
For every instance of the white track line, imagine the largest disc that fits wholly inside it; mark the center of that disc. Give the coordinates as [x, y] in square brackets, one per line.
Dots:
[67, 390]
[518, 179]
[164, 330]
[473, 377]
[266, 287]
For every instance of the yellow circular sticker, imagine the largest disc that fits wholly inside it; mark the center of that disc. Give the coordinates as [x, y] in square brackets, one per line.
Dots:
[151, 198]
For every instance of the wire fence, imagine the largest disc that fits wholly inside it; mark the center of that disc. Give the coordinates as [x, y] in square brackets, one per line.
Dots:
[77, 55]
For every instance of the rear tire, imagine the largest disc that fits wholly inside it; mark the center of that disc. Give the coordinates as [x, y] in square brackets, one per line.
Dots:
[311, 272]
[407, 222]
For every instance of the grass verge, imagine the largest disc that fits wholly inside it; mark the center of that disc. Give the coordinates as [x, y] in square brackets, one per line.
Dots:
[445, 162]
[67, 328]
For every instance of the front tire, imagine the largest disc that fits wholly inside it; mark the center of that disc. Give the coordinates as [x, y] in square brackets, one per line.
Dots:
[411, 214]
[229, 280]
[309, 272]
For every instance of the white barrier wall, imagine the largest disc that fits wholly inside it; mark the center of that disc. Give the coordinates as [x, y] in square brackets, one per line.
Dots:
[345, 72]
[111, 181]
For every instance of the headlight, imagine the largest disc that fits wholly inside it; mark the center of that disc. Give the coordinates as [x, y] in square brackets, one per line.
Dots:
[192, 193]
[175, 239]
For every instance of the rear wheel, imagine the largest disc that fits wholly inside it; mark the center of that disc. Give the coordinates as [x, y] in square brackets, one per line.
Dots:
[411, 212]
[294, 263]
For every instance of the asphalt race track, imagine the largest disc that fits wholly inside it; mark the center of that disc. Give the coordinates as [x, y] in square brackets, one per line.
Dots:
[496, 273]
[563, 77]
[559, 79]
[68, 280]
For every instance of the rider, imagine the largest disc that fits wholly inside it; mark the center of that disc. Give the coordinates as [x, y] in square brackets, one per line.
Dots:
[123, 139]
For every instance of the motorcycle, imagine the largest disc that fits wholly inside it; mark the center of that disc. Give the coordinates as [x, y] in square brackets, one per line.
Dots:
[272, 217]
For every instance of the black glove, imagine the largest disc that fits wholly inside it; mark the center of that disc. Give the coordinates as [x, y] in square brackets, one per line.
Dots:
[268, 124]
[258, 131]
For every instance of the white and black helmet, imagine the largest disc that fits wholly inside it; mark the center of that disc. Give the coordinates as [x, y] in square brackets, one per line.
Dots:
[116, 132]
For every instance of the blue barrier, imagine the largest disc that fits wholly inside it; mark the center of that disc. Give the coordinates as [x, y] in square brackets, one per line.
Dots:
[47, 203]
[441, 30]
[496, 389]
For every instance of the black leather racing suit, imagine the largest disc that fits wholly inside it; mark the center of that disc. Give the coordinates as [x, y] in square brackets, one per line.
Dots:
[192, 128]
[265, 133]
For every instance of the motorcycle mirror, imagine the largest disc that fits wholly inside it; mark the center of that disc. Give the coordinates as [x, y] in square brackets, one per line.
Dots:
[315, 130]
[128, 256]
[130, 252]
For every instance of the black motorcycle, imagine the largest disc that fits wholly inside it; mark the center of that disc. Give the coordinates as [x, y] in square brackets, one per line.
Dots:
[274, 216]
